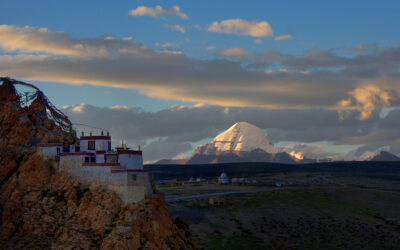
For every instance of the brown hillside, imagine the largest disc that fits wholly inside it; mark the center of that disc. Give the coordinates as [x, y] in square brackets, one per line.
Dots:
[43, 208]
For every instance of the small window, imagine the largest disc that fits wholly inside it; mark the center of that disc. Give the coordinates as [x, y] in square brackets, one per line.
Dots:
[91, 145]
[66, 149]
[110, 159]
[133, 177]
[58, 151]
[93, 159]
[87, 159]
[77, 148]
[109, 146]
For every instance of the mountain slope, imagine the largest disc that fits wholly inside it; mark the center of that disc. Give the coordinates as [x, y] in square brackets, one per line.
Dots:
[385, 156]
[242, 142]
[242, 136]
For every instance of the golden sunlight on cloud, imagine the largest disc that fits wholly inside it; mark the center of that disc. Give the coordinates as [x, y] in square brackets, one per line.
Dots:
[78, 108]
[158, 11]
[365, 99]
[233, 52]
[242, 27]
[39, 54]
[28, 39]
[298, 155]
[32, 39]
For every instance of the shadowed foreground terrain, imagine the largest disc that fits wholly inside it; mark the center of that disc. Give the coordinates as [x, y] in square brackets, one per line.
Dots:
[358, 208]
[313, 218]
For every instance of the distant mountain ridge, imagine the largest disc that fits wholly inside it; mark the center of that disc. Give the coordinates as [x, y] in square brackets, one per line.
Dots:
[385, 156]
[242, 142]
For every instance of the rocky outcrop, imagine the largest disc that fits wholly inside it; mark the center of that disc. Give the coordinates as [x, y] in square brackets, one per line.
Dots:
[43, 208]
[27, 126]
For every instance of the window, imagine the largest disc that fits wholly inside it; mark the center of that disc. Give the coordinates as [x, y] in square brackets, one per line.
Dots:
[58, 151]
[110, 159]
[91, 145]
[133, 177]
[66, 149]
[87, 159]
[109, 146]
[77, 148]
[93, 159]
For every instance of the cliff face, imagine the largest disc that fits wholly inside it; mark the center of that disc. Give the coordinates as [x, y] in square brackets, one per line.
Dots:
[41, 207]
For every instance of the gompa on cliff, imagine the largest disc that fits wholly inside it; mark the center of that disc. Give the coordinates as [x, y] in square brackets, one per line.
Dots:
[92, 160]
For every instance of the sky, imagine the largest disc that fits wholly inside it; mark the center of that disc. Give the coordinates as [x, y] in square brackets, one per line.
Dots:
[320, 78]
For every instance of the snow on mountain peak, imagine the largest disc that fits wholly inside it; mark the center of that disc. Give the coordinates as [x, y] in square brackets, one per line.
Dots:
[242, 136]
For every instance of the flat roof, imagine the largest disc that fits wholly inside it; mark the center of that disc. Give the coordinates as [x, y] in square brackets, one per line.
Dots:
[84, 138]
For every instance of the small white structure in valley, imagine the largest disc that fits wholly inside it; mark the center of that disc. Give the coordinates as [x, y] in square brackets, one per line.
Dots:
[93, 161]
[223, 179]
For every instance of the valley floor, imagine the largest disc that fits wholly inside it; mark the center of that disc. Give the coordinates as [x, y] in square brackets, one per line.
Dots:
[359, 216]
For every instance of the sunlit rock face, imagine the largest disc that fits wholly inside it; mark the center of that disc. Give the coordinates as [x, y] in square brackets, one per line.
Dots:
[241, 137]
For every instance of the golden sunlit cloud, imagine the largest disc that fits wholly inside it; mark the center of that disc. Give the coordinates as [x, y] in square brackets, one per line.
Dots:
[234, 52]
[365, 99]
[158, 11]
[300, 82]
[242, 27]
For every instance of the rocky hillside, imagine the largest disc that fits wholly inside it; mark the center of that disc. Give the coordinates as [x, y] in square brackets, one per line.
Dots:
[42, 208]
[26, 126]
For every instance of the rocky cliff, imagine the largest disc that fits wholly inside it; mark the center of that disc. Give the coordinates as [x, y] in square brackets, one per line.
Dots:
[43, 208]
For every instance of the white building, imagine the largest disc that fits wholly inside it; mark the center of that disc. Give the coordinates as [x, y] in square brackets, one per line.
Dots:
[93, 161]
[223, 179]
[49, 150]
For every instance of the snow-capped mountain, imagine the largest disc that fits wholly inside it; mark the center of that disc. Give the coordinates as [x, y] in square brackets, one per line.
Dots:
[242, 142]
[241, 137]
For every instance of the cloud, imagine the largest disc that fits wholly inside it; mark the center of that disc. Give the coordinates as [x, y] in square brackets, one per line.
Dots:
[169, 45]
[234, 52]
[365, 99]
[197, 27]
[210, 48]
[158, 11]
[362, 48]
[175, 27]
[242, 27]
[316, 79]
[283, 38]
[162, 149]
[34, 40]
